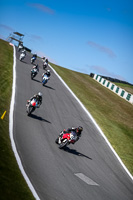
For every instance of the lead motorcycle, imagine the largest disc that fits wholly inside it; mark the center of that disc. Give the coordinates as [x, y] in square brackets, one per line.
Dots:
[22, 56]
[20, 47]
[31, 106]
[64, 139]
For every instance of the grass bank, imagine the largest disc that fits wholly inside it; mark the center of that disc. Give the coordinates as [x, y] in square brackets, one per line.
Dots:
[12, 183]
[128, 88]
[113, 114]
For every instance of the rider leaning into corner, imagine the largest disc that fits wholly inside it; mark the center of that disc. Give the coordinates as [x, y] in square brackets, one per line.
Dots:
[34, 56]
[47, 73]
[37, 97]
[36, 67]
[76, 132]
[23, 51]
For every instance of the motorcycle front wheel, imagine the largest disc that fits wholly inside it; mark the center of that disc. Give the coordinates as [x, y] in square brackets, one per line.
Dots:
[32, 76]
[30, 110]
[56, 141]
[63, 144]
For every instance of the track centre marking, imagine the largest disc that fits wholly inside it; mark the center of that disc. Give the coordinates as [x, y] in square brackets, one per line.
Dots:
[86, 179]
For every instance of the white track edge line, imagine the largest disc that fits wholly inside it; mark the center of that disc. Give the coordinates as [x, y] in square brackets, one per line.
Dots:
[11, 129]
[99, 129]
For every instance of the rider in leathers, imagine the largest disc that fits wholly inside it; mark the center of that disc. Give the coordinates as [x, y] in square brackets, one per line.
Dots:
[36, 67]
[76, 132]
[37, 97]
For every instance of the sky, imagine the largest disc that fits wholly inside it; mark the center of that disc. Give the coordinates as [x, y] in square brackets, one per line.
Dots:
[88, 36]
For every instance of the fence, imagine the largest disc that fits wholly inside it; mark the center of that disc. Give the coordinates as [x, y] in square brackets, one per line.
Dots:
[114, 88]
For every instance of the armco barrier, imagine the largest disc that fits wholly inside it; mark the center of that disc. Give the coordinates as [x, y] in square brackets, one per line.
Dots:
[114, 88]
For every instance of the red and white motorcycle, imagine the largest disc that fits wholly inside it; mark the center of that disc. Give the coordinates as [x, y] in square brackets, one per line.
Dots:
[31, 106]
[64, 139]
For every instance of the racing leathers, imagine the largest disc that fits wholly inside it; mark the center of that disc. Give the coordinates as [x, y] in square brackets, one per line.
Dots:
[37, 98]
[76, 132]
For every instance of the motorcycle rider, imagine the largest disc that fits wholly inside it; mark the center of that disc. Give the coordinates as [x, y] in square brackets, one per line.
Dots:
[23, 51]
[36, 67]
[45, 63]
[76, 132]
[34, 56]
[47, 73]
[20, 46]
[37, 97]
[43, 59]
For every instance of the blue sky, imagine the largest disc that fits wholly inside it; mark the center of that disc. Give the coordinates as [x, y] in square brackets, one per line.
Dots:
[86, 36]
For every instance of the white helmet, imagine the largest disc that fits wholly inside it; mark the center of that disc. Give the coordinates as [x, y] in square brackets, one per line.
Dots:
[40, 94]
[48, 71]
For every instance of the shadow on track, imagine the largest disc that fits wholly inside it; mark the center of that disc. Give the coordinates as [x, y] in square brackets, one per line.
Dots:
[36, 80]
[75, 152]
[39, 118]
[49, 87]
[23, 61]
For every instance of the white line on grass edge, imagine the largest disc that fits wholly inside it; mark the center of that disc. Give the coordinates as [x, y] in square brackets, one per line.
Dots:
[11, 129]
[94, 124]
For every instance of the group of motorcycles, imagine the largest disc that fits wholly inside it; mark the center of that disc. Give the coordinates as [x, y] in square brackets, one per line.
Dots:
[34, 70]
[64, 139]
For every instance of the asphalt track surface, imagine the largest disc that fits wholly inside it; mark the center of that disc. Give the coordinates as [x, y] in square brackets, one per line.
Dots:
[87, 170]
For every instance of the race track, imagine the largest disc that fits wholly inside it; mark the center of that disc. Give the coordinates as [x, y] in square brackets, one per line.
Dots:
[87, 170]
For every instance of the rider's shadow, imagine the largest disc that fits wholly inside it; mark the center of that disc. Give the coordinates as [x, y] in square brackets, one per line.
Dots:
[75, 152]
[49, 87]
[39, 118]
[36, 80]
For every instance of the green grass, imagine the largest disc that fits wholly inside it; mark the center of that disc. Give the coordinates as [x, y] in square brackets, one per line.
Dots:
[12, 183]
[113, 114]
[128, 88]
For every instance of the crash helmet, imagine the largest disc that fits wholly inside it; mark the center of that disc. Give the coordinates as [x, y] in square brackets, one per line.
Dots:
[80, 129]
[48, 71]
[39, 94]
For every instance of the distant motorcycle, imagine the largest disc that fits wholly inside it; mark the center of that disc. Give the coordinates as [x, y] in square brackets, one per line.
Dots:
[45, 79]
[33, 59]
[20, 47]
[64, 139]
[31, 106]
[45, 65]
[22, 56]
[33, 73]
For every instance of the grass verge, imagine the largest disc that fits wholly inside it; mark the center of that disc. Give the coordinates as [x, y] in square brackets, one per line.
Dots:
[12, 183]
[113, 114]
[128, 88]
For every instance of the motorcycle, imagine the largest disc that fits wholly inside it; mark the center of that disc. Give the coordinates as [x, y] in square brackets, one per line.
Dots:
[45, 79]
[31, 106]
[33, 60]
[45, 65]
[64, 139]
[20, 47]
[22, 56]
[33, 73]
